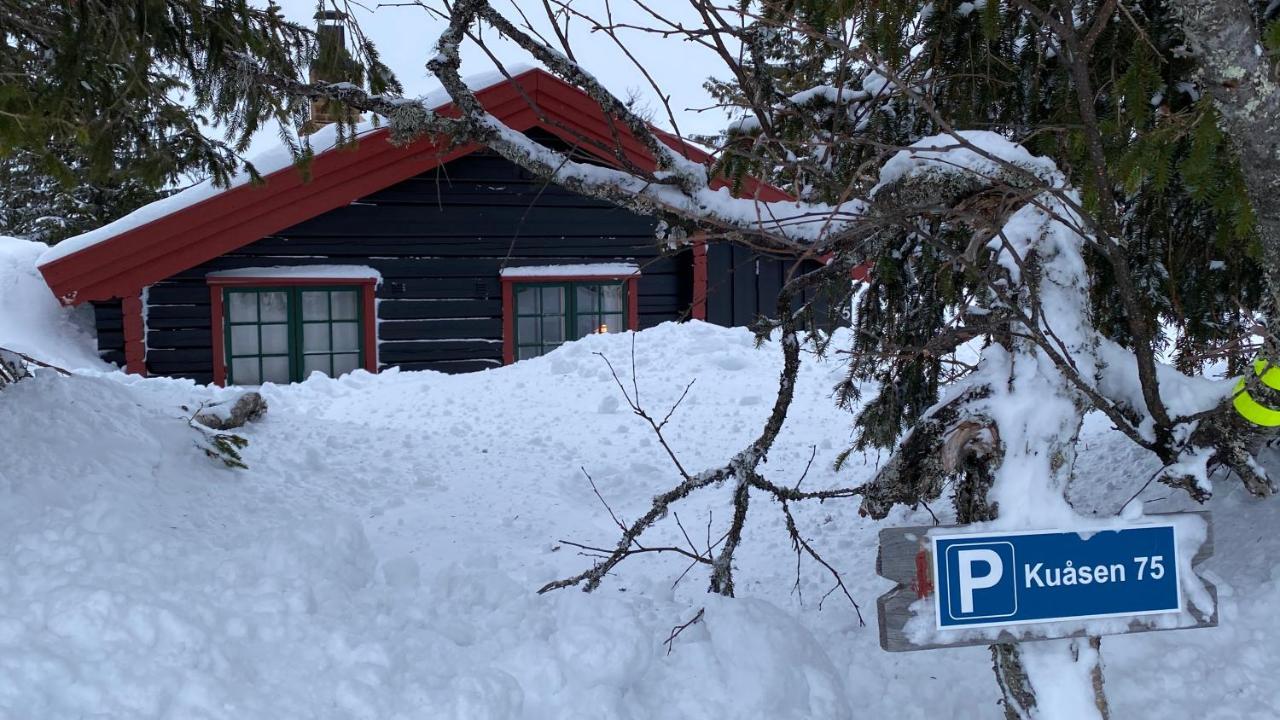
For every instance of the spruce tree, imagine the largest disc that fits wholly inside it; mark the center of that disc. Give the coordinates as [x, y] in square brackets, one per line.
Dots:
[1181, 209]
[39, 206]
[104, 101]
[1064, 271]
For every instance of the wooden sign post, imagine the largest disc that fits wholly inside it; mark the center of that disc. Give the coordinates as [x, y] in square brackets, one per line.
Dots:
[949, 581]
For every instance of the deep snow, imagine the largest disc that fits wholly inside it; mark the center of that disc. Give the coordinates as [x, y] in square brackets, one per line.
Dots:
[379, 557]
[32, 320]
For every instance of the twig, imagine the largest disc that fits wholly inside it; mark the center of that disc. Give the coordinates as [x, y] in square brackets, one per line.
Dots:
[675, 631]
[710, 546]
[683, 532]
[640, 550]
[799, 543]
[930, 510]
[34, 361]
[1145, 485]
[596, 490]
[677, 404]
[634, 404]
[813, 453]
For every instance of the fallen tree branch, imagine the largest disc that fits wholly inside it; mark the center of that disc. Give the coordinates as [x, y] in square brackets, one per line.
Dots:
[798, 543]
[34, 361]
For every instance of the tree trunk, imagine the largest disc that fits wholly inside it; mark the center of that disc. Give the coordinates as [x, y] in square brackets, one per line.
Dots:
[1037, 415]
[1050, 678]
[1239, 76]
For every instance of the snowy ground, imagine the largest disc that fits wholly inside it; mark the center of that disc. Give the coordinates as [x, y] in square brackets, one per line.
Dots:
[379, 557]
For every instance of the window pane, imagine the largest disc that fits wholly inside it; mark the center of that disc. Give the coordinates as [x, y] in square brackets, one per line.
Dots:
[242, 307]
[275, 369]
[265, 351]
[315, 337]
[344, 304]
[552, 330]
[273, 306]
[275, 339]
[244, 371]
[526, 300]
[311, 363]
[244, 340]
[528, 351]
[611, 298]
[588, 297]
[315, 305]
[346, 337]
[552, 300]
[587, 324]
[527, 330]
[345, 363]
[611, 323]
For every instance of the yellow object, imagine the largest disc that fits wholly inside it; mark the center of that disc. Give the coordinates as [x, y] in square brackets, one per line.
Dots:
[1252, 410]
[1270, 378]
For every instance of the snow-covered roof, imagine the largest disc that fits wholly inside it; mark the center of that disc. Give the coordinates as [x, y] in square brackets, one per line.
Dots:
[204, 222]
[580, 270]
[266, 162]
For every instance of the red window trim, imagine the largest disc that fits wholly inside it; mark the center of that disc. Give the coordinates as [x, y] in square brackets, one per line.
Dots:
[135, 332]
[217, 284]
[509, 302]
[699, 309]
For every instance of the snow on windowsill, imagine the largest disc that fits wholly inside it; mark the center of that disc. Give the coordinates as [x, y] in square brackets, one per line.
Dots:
[311, 272]
[611, 270]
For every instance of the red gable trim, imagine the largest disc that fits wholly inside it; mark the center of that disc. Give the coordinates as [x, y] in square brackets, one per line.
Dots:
[120, 266]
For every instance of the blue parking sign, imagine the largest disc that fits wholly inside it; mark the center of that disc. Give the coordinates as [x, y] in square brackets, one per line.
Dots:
[986, 580]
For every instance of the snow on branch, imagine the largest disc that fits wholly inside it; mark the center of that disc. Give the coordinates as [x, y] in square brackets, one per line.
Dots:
[1028, 225]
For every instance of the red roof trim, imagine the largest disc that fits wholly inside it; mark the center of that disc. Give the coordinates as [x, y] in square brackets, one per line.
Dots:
[120, 266]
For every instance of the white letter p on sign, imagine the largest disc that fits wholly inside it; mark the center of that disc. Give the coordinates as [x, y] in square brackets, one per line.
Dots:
[969, 583]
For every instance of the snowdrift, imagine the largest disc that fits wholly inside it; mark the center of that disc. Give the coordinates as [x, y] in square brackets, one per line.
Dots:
[379, 557]
[31, 319]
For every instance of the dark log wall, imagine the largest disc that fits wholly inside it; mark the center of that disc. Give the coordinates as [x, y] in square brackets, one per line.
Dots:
[742, 285]
[110, 326]
[439, 241]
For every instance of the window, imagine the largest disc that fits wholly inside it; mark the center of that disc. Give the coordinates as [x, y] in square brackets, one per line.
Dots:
[544, 307]
[550, 314]
[257, 336]
[282, 334]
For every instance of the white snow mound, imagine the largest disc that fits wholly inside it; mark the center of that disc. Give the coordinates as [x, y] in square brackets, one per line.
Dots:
[380, 557]
[31, 319]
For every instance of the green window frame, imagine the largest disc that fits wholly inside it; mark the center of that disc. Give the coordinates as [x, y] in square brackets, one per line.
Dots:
[284, 333]
[549, 314]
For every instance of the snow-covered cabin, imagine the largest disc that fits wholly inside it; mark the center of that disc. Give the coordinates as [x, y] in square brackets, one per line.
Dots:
[425, 256]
